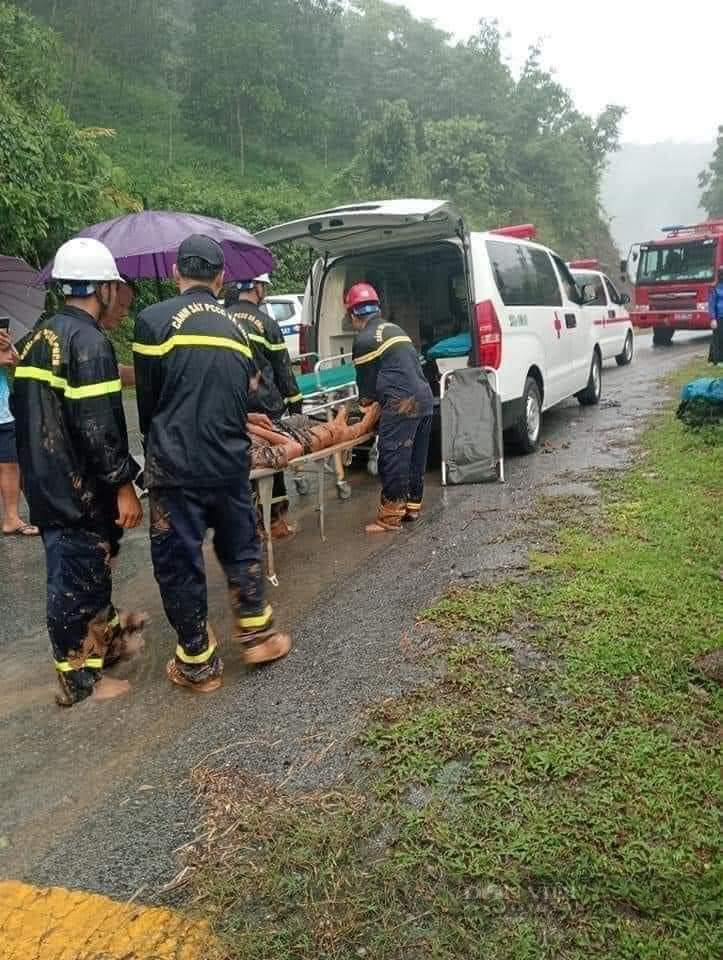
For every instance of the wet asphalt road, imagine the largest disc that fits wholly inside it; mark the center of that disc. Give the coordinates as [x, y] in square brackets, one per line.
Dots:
[97, 797]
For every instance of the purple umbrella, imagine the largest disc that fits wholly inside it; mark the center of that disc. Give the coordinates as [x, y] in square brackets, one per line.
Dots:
[145, 244]
[20, 298]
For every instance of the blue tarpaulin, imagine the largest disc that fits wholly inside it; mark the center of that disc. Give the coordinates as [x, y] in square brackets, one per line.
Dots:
[457, 346]
[706, 388]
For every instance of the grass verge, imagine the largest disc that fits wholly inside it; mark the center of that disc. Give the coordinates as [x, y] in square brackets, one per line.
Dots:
[555, 795]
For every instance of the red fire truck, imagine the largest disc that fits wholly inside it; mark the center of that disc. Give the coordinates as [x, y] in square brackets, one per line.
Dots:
[673, 277]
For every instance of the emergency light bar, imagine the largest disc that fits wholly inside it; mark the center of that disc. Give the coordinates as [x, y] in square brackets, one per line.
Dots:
[522, 231]
[584, 264]
[710, 226]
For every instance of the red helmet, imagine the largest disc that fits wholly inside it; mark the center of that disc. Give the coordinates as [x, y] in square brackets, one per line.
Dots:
[360, 294]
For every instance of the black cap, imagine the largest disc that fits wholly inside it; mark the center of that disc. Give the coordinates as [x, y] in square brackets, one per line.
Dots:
[202, 247]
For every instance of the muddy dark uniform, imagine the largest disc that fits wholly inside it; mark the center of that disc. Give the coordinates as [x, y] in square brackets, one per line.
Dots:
[278, 390]
[73, 453]
[388, 370]
[278, 382]
[193, 368]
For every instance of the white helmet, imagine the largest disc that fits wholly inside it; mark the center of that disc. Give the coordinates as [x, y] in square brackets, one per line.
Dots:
[262, 278]
[84, 258]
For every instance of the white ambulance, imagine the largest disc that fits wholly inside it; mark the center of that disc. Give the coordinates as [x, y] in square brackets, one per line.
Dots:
[496, 300]
[609, 309]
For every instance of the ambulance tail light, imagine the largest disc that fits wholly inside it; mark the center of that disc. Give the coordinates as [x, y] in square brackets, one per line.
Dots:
[489, 335]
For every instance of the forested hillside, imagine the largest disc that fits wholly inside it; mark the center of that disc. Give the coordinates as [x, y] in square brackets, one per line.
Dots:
[259, 110]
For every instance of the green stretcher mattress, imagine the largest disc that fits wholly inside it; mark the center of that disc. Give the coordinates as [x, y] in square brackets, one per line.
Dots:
[332, 379]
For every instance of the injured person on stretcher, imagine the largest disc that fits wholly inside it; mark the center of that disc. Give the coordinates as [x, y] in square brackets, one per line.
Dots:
[274, 444]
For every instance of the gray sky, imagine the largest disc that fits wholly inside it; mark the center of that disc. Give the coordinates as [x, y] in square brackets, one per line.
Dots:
[645, 54]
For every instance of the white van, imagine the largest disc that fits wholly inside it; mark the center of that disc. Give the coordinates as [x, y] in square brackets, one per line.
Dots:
[495, 300]
[608, 306]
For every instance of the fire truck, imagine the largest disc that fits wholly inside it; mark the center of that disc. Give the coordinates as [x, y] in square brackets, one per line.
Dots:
[672, 279]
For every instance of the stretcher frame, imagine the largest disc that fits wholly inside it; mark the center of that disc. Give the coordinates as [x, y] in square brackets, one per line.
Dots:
[495, 382]
[310, 461]
[325, 400]
[328, 397]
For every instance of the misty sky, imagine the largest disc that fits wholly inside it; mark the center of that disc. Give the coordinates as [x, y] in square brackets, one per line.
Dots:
[645, 54]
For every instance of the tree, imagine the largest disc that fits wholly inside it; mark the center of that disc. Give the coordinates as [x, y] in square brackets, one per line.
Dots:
[711, 181]
[271, 66]
[387, 162]
[53, 177]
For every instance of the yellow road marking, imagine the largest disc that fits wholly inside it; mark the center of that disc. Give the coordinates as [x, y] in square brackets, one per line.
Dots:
[38, 923]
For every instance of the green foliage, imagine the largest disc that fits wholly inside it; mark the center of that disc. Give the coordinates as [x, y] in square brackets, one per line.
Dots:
[52, 175]
[387, 163]
[711, 181]
[260, 111]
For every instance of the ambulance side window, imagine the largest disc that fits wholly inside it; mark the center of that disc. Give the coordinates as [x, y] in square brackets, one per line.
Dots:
[612, 291]
[568, 284]
[548, 289]
[524, 276]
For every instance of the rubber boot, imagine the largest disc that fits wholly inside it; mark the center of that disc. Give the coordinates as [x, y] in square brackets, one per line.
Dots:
[204, 678]
[412, 512]
[389, 517]
[262, 644]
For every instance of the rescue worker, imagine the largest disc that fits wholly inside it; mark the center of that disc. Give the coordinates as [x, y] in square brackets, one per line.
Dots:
[73, 452]
[278, 391]
[194, 368]
[388, 370]
[715, 308]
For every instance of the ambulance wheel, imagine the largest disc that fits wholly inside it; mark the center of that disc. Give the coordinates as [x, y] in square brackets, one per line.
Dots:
[525, 433]
[303, 486]
[593, 391]
[662, 336]
[624, 358]
[343, 490]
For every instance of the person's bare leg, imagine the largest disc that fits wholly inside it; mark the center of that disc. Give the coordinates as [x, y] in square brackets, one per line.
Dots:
[10, 494]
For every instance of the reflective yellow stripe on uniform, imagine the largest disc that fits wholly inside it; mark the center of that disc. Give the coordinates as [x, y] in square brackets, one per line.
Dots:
[190, 340]
[85, 392]
[413, 506]
[195, 658]
[266, 343]
[115, 622]
[92, 663]
[368, 357]
[257, 620]
[294, 399]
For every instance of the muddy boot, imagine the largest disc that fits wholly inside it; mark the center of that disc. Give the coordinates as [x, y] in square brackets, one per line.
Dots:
[412, 512]
[260, 643]
[201, 678]
[209, 682]
[75, 687]
[264, 646]
[125, 632]
[389, 517]
[88, 685]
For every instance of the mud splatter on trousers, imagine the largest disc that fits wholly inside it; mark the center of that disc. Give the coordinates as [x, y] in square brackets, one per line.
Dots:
[180, 518]
[403, 451]
[80, 614]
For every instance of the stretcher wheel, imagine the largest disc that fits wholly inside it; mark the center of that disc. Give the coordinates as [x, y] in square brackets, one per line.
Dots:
[343, 490]
[302, 485]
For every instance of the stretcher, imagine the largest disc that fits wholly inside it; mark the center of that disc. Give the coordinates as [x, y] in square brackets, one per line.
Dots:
[310, 461]
[333, 381]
